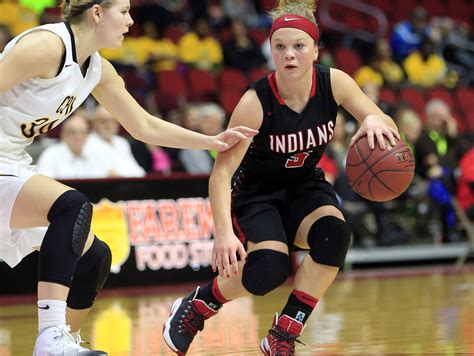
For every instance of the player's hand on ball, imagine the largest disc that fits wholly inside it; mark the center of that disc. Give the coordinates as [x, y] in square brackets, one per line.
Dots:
[224, 255]
[230, 137]
[374, 127]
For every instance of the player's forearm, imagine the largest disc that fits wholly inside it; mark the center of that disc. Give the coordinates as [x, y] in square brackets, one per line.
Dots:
[220, 196]
[162, 133]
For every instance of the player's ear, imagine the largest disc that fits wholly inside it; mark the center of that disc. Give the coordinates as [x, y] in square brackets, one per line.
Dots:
[316, 53]
[96, 13]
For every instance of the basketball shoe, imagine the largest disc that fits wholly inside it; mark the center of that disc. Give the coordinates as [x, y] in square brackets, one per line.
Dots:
[58, 341]
[281, 338]
[186, 319]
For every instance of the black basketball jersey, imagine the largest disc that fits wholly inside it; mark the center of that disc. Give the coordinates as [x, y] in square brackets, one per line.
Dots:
[289, 144]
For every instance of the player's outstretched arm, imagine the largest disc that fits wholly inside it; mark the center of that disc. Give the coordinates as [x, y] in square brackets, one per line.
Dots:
[374, 123]
[248, 112]
[111, 93]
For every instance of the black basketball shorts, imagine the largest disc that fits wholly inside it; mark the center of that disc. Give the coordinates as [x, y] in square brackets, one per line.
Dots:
[264, 211]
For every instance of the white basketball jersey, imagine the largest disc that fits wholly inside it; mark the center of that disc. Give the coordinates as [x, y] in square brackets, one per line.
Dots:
[37, 105]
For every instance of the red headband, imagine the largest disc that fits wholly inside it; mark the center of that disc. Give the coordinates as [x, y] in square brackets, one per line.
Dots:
[295, 21]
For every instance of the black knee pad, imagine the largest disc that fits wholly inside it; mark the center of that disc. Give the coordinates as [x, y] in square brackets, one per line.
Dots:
[70, 219]
[329, 239]
[91, 273]
[265, 270]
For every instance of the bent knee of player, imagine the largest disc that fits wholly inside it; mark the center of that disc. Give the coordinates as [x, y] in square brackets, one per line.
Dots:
[328, 239]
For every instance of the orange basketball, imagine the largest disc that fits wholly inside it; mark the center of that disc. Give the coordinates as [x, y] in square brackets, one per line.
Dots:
[377, 174]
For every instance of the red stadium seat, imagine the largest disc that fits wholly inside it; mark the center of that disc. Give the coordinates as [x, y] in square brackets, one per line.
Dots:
[202, 85]
[414, 98]
[469, 121]
[258, 35]
[460, 10]
[171, 90]
[228, 99]
[232, 78]
[256, 74]
[267, 5]
[347, 60]
[465, 99]
[388, 96]
[443, 94]
[434, 7]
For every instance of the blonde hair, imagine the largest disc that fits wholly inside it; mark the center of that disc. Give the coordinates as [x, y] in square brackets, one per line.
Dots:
[73, 9]
[304, 8]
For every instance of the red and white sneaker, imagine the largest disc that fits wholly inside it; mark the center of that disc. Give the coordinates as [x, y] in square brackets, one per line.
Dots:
[281, 338]
[186, 319]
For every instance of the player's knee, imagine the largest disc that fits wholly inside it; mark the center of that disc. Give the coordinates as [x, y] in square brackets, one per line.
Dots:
[329, 239]
[265, 270]
[90, 276]
[73, 208]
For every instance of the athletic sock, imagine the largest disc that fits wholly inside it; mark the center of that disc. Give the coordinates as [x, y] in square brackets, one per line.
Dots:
[51, 313]
[211, 295]
[299, 306]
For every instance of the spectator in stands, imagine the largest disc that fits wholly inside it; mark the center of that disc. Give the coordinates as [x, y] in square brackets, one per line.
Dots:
[457, 49]
[369, 74]
[155, 12]
[148, 48]
[391, 71]
[163, 52]
[5, 36]
[153, 159]
[241, 52]
[409, 125]
[243, 11]
[110, 148]
[436, 154]
[424, 67]
[68, 159]
[199, 49]
[437, 147]
[407, 35]
[211, 121]
[381, 69]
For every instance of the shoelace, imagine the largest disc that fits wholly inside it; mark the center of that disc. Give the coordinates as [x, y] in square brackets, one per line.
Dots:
[192, 320]
[285, 341]
[79, 340]
[65, 340]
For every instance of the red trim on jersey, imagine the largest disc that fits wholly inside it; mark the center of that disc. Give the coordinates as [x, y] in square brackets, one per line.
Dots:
[273, 86]
[305, 298]
[272, 82]
[240, 233]
[217, 293]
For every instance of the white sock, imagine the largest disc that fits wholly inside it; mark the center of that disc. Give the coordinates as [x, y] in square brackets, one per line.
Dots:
[51, 313]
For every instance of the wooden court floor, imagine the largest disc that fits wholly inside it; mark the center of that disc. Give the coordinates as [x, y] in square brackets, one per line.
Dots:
[375, 314]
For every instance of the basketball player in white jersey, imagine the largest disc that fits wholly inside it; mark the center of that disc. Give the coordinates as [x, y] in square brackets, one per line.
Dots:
[46, 73]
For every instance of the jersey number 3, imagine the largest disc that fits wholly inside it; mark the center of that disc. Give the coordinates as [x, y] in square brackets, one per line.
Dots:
[296, 160]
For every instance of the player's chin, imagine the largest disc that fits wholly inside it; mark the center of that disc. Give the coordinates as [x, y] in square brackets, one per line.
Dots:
[118, 42]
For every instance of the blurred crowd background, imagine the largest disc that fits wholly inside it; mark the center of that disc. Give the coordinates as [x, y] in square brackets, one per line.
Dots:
[189, 61]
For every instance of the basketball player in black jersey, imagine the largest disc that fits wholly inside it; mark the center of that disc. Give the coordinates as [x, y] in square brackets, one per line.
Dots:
[267, 196]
